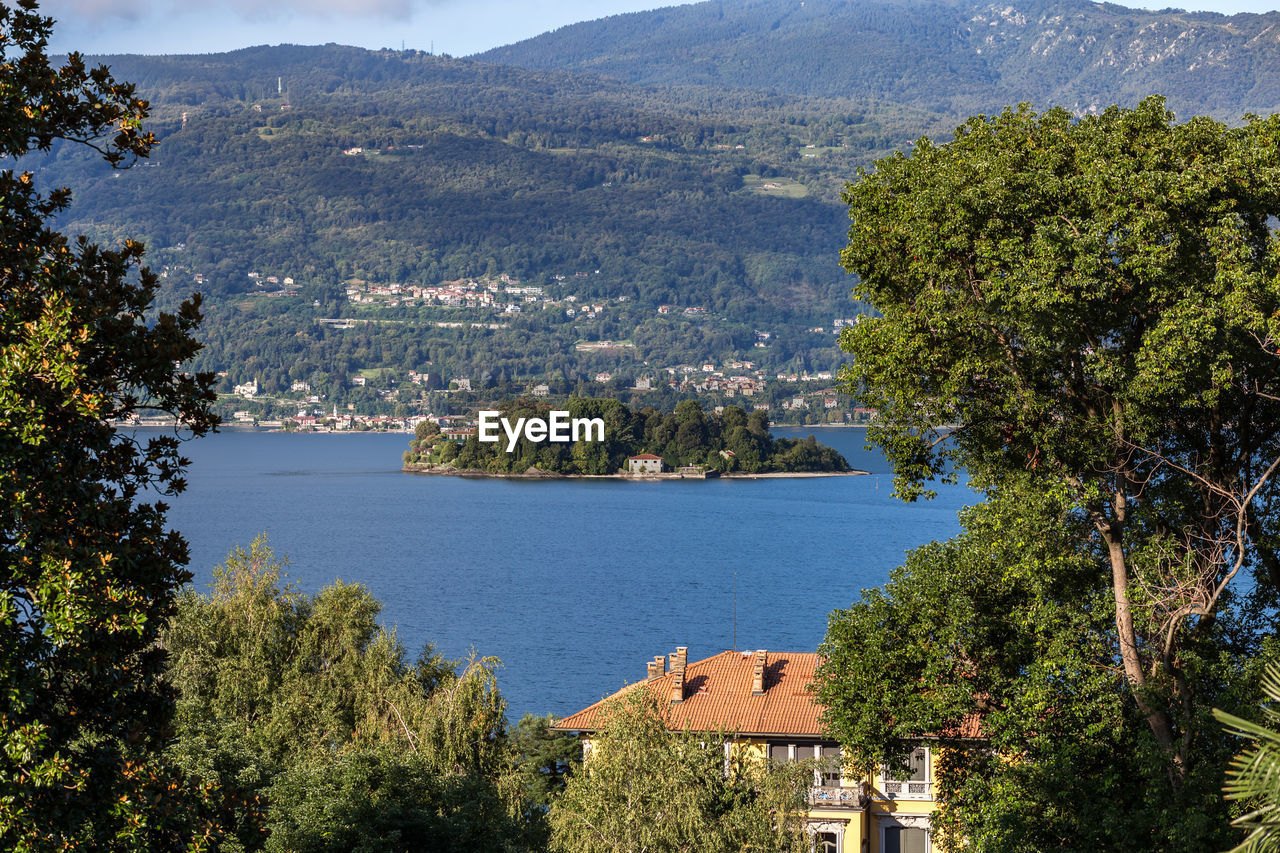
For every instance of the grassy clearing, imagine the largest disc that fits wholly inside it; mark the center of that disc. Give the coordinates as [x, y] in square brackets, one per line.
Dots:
[781, 187]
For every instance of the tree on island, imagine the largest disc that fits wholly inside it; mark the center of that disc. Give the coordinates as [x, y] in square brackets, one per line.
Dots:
[729, 441]
[1095, 303]
[89, 570]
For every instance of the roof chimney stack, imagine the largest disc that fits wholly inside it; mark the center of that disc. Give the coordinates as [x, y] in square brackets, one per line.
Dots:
[678, 661]
[656, 667]
[757, 673]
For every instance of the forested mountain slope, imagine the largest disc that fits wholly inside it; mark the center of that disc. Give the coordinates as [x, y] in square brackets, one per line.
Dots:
[687, 212]
[465, 169]
[955, 56]
[332, 168]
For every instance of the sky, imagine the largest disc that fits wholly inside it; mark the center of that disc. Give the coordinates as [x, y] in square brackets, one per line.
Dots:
[455, 27]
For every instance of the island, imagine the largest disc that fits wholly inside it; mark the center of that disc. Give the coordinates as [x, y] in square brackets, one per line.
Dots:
[636, 443]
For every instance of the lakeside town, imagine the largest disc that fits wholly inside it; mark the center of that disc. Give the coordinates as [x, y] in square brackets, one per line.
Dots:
[309, 412]
[397, 400]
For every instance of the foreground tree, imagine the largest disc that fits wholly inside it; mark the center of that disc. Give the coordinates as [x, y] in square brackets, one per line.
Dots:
[1095, 305]
[88, 569]
[1012, 621]
[304, 707]
[647, 788]
[546, 759]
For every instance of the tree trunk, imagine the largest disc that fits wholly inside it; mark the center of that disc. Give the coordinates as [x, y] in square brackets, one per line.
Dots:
[1157, 718]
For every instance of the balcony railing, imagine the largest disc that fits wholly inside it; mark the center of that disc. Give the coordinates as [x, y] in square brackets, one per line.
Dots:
[908, 790]
[832, 797]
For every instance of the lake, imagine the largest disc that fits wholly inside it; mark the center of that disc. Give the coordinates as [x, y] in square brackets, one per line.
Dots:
[574, 584]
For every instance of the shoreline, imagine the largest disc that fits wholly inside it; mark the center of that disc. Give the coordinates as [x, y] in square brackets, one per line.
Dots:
[477, 474]
[233, 426]
[249, 427]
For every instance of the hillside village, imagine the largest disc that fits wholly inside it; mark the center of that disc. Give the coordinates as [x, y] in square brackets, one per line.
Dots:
[385, 398]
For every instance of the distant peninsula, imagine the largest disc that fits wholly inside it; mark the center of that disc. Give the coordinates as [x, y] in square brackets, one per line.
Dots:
[637, 443]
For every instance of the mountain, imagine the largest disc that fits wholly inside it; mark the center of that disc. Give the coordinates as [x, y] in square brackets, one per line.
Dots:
[948, 56]
[309, 191]
[682, 209]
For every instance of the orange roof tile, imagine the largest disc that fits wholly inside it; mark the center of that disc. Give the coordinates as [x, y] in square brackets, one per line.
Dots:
[969, 728]
[717, 696]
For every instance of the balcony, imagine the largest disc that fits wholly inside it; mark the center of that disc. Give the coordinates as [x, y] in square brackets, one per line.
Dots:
[833, 797]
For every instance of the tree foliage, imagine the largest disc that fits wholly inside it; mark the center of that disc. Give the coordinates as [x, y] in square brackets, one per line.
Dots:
[1012, 622]
[87, 567]
[546, 758]
[645, 787]
[730, 441]
[1093, 303]
[304, 707]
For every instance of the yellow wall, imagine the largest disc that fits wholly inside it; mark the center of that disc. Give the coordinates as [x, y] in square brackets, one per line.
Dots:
[881, 806]
[856, 823]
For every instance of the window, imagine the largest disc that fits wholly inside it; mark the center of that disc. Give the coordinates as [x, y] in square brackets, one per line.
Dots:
[830, 769]
[827, 773]
[826, 842]
[905, 839]
[915, 784]
[785, 753]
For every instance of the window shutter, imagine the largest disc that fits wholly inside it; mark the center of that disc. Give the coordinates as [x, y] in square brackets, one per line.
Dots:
[919, 765]
[915, 840]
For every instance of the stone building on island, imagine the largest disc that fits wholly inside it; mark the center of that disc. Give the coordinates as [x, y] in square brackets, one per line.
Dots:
[645, 463]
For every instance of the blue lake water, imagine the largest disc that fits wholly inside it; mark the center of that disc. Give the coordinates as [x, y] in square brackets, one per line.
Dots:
[573, 584]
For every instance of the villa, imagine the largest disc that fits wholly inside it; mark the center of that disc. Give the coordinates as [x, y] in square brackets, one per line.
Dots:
[766, 699]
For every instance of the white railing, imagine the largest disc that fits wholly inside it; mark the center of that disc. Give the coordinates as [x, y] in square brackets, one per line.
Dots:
[908, 790]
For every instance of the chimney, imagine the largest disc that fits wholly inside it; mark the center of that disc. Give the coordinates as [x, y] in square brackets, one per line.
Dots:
[678, 661]
[757, 673]
[657, 667]
[677, 686]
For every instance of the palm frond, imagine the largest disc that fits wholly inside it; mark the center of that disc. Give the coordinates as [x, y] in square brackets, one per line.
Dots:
[1254, 775]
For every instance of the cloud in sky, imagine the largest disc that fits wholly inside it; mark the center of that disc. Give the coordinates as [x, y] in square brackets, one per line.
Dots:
[255, 10]
[248, 10]
[458, 27]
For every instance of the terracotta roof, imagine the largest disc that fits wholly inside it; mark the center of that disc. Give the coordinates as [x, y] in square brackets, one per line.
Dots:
[970, 728]
[717, 695]
[645, 456]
